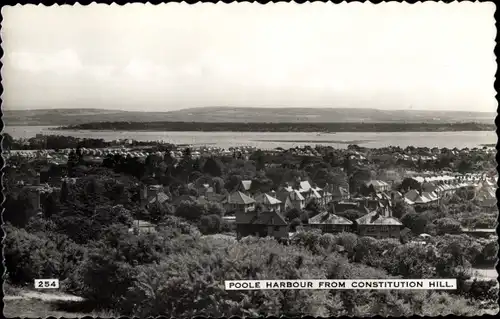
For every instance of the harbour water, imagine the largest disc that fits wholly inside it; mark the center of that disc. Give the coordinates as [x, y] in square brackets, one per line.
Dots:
[270, 140]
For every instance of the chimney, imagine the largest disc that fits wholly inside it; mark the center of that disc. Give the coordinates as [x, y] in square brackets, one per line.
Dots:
[144, 192]
[388, 211]
[36, 181]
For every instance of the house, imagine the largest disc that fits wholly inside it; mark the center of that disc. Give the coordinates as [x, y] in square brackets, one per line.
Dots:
[340, 194]
[313, 195]
[379, 224]
[330, 223]
[202, 189]
[159, 198]
[327, 194]
[379, 186]
[292, 199]
[154, 194]
[420, 199]
[142, 226]
[269, 202]
[261, 224]
[485, 196]
[238, 202]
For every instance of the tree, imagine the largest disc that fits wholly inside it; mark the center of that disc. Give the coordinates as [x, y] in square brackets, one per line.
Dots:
[213, 167]
[232, 182]
[417, 222]
[157, 212]
[367, 190]
[348, 167]
[489, 254]
[400, 208]
[295, 223]
[409, 183]
[18, 210]
[50, 205]
[313, 206]
[28, 256]
[210, 224]
[358, 178]
[190, 211]
[72, 163]
[292, 214]
[259, 158]
[7, 141]
[464, 166]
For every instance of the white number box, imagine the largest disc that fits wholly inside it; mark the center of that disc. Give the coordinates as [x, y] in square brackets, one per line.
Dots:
[47, 283]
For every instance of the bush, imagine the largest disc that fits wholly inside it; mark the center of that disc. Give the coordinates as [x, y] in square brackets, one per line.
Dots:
[447, 226]
[190, 211]
[210, 224]
[195, 279]
[28, 257]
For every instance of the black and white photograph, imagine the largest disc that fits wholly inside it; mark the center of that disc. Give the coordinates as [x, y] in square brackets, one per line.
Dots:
[249, 160]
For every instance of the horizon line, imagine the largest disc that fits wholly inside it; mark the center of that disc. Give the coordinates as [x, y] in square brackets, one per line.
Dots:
[244, 107]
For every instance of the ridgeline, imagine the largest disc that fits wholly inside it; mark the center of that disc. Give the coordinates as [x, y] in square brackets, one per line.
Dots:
[281, 127]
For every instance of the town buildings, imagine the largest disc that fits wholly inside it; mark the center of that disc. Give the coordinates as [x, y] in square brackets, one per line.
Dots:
[330, 223]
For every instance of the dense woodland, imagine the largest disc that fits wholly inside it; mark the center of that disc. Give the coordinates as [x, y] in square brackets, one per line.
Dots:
[59, 142]
[283, 127]
[82, 237]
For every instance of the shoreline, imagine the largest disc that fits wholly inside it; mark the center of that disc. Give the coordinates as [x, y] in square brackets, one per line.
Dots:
[261, 131]
[318, 128]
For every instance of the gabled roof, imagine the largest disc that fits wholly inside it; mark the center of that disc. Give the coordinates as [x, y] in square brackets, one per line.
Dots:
[315, 193]
[408, 201]
[329, 218]
[296, 195]
[239, 198]
[271, 218]
[412, 195]
[161, 198]
[341, 191]
[247, 184]
[267, 199]
[375, 218]
[282, 196]
[305, 186]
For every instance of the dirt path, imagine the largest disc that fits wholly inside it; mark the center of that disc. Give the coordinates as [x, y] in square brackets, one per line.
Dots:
[45, 296]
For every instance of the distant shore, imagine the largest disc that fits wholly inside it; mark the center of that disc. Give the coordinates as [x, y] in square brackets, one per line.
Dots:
[280, 127]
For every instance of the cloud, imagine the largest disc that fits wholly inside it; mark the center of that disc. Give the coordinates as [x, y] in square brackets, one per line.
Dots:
[61, 62]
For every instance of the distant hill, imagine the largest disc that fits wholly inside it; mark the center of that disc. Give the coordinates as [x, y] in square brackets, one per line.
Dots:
[62, 117]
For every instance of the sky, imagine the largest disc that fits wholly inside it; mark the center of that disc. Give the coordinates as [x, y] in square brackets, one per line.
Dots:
[426, 56]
